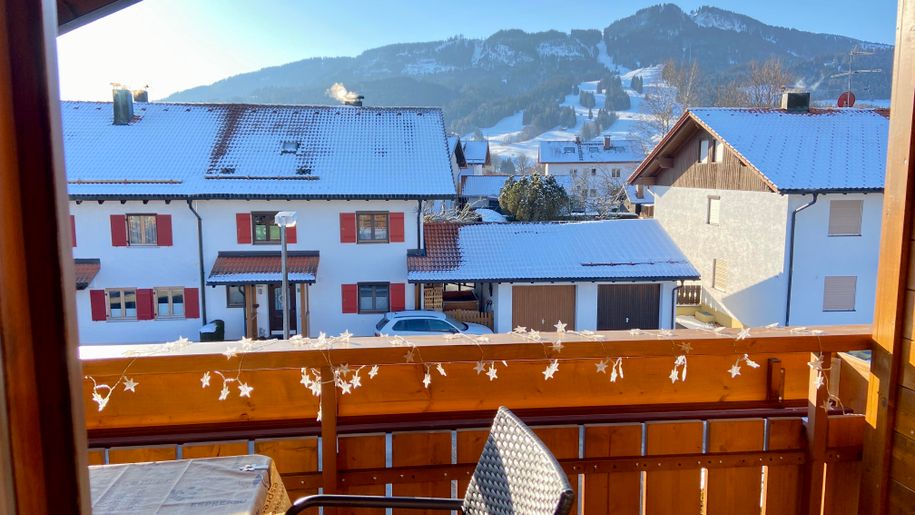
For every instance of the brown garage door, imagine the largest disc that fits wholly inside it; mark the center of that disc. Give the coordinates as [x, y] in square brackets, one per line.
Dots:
[628, 306]
[540, 307]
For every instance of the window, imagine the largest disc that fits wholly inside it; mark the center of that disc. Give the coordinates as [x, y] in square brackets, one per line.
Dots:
[122, 304]
[440, 326]
[710, 150]
[616, 173]
[713, 211]
[235, 296]
[839, 293]
[265, 228]
[845, 217]
[169, 302]
[374, 297]
[594, 172]
[414, 325]
[372, 227]
[574, 172]
[719, 275]
[141, 230]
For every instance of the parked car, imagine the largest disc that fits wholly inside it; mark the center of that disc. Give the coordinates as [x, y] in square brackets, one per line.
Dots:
[425, 323]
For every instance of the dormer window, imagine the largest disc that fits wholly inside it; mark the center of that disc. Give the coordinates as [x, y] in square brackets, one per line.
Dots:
[289, 147]
[710, 150]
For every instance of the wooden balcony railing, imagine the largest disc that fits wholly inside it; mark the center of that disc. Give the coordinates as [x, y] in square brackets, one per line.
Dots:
[730, 444]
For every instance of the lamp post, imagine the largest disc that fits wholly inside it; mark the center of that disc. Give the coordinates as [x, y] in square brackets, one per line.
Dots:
[285, 219]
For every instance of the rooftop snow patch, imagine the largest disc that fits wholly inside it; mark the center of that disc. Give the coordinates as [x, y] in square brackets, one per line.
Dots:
[613, 250]
[620, 151]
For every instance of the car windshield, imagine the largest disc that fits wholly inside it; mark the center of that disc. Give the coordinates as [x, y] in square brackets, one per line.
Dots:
[381, 323]
[456, 323]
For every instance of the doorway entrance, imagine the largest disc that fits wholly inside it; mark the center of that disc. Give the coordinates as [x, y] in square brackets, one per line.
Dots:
[275, 296]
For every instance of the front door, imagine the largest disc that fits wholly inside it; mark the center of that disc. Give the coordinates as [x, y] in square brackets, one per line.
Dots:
[628, 306]
[275, 294]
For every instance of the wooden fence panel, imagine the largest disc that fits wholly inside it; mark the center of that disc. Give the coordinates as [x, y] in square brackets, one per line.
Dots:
[96, 456]
[417, 449]
[617, 493]
[563, 443]
[735, 490]
[842, 478]
[673, 492]
[291, 456]
[214, 449]
[472, 316]
[783, 492]
[141, 454]
[360, 452]
[470, 444]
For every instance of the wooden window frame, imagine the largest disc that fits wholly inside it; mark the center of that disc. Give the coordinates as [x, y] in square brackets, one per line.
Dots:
[373, 214]
[229, 303]
[708, 210]
[374, 285]
[171, 315]
[268, 241]
[155, 219]
[125, 318]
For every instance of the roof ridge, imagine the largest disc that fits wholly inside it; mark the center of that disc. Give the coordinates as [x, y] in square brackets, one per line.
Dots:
[263, 106]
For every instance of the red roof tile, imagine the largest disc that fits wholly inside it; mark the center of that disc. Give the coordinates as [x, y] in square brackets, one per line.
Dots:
[85, 271]
[442, 252]
[263, 267]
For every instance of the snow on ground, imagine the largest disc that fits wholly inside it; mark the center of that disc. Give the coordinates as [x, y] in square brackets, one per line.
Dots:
[503, 136]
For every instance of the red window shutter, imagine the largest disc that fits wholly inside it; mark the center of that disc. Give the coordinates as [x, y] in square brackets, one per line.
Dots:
[243, 227]
[350, 298]
[164, 230]
[144, 304]
[347, 227]
[398, 296]
[291, 234]
[97, 301]
[118, 230]
[397, 235]
[73, 230]
[191, 303]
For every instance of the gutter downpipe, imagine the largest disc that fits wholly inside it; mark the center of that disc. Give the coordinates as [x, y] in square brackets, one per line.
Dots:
[203, 291]
[791, 255]
[673, 305]
[418, 287]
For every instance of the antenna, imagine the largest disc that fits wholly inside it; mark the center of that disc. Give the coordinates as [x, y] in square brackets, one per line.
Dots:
[852, 71]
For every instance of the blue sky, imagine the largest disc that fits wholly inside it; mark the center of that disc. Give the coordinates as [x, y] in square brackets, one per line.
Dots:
[176, 44]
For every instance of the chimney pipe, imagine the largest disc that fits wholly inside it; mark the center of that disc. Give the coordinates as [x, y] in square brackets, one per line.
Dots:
[577, 140]
[608, 143]
[141, 95]
[357, 102]
[122, 102]
[796, 102]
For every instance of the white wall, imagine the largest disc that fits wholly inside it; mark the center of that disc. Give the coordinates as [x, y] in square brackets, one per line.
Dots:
[584, 169]
[135, 267]
[502, 307]
[750, 237]
[318, 229]
[818, 255]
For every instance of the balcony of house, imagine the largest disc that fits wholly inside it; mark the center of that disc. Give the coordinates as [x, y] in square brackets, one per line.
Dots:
[765, 420]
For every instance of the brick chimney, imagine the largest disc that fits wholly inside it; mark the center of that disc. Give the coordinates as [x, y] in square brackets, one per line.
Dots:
[122, 102]
[796, 102]
[141, 95]
[608, 143]
[357, 102]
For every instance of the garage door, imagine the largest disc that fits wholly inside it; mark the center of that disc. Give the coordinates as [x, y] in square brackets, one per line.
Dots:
[540, 307]
[628, 306]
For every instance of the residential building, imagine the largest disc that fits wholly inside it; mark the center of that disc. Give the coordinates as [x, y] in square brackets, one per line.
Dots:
[477, 158]
[779, 209]
[601, 275]
[172, 210]
[639, 200]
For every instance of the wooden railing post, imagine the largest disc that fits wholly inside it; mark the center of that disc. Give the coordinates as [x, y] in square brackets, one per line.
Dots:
[817, 434]
[328, 430]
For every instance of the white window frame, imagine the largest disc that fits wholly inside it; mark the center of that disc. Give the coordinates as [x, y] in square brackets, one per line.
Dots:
[123, 308]
[713, 200]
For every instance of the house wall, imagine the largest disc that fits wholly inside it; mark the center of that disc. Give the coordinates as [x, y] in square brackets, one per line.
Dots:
[318, 229]
[818, 255]
[585, 305]
[729, 174]
[750, 238]
[603, 169]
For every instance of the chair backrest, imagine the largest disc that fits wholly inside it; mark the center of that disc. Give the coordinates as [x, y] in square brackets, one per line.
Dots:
[517, 474]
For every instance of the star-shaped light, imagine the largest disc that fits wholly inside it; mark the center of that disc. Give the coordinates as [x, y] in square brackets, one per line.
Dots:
[744, 333]
[560, 327]
[130, 385]
[614, 375]
[479, 367]
[224, 393]
[635, 331]
[534, 335]
[408, 356]
[102, 401]
[205, 379]
[665, 333]
[820, 380]
[346, 335]
[373, 371]
[343, 369]
[773, 325]
[601, 366]
[734, 370]
[356, 381]
[230, 352]
[685, 347]
[346, 388]
[520, 329]
[493, 375]
[557, 346]
[427, 379]
[315, 388]
[674, 375]
[440, 369]
[750, 363]
[816, 362]
[244, 390]
[551, 369]
[320, 411]
[306, 379]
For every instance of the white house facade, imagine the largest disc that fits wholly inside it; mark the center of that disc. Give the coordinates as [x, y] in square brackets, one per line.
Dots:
[779, 210]
[172, 213]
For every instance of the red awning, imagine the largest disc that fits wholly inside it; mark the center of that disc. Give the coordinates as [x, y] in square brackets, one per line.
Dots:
[263, 267]
[86, 270]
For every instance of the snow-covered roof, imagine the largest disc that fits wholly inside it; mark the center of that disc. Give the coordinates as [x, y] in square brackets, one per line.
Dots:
[610, 250]
[476, 152]
[620, 151]
[491, 185]
[489, 215]
[820, 150]
[256, 151]
[633, 197]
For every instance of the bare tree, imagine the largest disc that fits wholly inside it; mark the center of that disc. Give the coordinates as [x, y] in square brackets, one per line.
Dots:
[686, 79]
[598, 193]
[663, 110]
[761, 87]
[524, 164]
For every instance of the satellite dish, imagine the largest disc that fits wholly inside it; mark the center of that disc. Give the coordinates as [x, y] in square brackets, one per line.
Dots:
[846, 99]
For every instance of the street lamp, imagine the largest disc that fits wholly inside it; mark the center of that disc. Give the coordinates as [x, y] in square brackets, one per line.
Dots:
[285, 219]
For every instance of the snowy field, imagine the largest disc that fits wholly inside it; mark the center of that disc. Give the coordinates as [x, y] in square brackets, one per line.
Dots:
[504, 136]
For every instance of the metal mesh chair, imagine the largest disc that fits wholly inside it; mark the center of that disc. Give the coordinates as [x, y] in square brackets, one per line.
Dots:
[515, 474]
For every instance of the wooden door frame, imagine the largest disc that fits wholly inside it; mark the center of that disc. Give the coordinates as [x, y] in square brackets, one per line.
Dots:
[293, 313]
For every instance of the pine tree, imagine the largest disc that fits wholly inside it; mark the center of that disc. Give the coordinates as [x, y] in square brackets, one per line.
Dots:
[534, 198]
